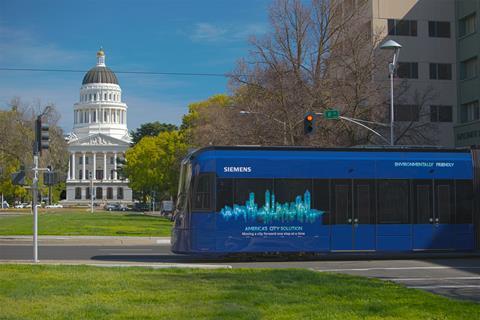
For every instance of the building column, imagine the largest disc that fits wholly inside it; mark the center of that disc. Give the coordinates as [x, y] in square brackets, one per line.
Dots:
[105, 166]
[73, 166]
[69, 168]
[115, 177]
[94, 170]
[83, 161]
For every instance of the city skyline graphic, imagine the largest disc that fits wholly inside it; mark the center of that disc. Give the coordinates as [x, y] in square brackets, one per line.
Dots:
[298, 211]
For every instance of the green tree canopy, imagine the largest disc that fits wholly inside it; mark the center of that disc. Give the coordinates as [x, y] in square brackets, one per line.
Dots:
[153, 164]
[151, 129]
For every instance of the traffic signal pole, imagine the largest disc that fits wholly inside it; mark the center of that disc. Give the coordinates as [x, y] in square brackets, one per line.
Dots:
[34, 207]
[41, 142]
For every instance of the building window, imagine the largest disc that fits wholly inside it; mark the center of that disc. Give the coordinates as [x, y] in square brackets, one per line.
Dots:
[99, 193]
[87, 193]
[441, 114]
[120, 193]
[87, 174]
[470, 111]
[104, 96]
[467, 25]
[80, 160]
[80, 176]
[469, 68]
[99, 175]
[438, 29]
[407, 112]
[86, 160]
[407, 70]
[112, 159]
[109, 193]
[109, 96]
[441, 71]
[402, 27]
[78, 193]
[94, 116]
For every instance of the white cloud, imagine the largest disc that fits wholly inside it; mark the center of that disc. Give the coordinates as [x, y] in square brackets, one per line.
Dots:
[20, 47]
[207, 32]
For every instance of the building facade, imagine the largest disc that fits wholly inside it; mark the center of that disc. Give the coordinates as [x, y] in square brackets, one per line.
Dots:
[99, 140]
[426, 31]
[467, 130]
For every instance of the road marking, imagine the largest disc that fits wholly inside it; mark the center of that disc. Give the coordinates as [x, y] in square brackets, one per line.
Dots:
[425, 279]
[163, 241]
[125, 249]
[446, 287]
[394, 268]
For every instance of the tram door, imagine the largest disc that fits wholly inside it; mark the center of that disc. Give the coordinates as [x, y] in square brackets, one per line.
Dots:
[353, 209]
[434, 208]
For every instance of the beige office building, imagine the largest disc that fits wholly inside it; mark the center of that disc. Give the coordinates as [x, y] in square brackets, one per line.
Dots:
[426, 30]
[467, 130]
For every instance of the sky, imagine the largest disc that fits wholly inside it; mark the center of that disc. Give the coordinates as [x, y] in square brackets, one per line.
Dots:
[185, 36]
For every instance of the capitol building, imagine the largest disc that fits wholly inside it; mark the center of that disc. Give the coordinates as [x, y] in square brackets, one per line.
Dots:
[99, 140]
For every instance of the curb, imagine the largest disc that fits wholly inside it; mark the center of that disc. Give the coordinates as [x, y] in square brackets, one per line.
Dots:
[84, 240]
[117, 265]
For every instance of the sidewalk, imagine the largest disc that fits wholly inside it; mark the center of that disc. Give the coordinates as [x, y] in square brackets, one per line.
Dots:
[85, 240]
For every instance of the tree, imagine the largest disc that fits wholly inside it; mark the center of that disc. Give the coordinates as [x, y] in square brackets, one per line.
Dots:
[16, 141]
[207, 122]
[317, 55]
[153, 164]
[151, 129]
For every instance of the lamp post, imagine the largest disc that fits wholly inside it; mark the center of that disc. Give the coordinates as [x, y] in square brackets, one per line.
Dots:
[392, 45]
[91, 192]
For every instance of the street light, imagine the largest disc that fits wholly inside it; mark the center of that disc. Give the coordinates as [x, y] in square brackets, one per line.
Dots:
[392, 45]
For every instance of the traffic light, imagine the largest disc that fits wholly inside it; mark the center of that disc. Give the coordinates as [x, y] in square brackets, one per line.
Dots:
[309, 123]
[42, 136]
[18, 178]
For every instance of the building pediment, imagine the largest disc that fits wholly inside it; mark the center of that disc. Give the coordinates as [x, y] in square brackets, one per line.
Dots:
[99, 139]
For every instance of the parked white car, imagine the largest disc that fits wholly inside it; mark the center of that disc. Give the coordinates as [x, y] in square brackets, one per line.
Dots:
[56, 205]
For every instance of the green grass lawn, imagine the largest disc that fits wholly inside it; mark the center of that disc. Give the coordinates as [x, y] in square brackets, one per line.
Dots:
[81, 292]
[76, 223]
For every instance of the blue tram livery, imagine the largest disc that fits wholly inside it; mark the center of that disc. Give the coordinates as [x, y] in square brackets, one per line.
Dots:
[281, 199]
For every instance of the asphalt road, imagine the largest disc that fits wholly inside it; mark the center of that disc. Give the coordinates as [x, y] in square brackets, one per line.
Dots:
[456, 278]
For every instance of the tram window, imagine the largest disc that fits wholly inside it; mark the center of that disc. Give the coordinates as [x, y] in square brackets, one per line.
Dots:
[203, 194]
[364, 202]
[342, 202]
[321, 198]
[445, 202]
[243, 188]
[224, 193]
[287, 190]
[423, 203]
[464, 204]
[393, 201]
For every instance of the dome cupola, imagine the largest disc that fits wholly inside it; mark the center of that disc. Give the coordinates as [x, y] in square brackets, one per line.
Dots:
[100, 73]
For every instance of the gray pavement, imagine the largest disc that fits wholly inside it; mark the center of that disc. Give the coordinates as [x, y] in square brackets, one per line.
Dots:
[453, 277]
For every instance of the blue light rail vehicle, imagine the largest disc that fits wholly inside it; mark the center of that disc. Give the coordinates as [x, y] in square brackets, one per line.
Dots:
[309, 200]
